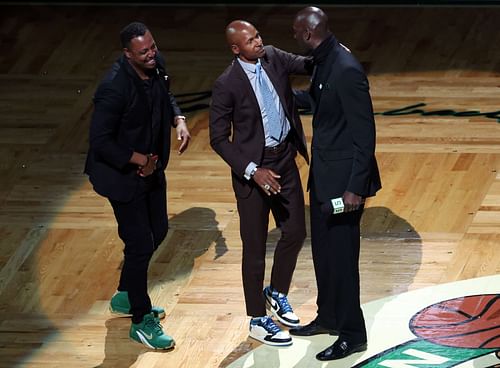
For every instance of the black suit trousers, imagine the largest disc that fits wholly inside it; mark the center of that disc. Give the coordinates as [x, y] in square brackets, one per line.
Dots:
[142, 226]
[287, 208]
[335, 243]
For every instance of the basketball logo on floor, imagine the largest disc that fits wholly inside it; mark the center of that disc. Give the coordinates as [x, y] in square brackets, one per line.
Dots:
[448, 333]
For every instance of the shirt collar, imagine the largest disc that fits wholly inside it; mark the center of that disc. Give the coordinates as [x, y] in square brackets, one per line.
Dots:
[321, 52]
[248, 67]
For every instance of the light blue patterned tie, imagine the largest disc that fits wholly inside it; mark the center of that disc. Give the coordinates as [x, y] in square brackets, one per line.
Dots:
[273, 116]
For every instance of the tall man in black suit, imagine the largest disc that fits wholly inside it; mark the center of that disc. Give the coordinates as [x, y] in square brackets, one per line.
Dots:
[129, 151]
[343, 165]
[255, 127]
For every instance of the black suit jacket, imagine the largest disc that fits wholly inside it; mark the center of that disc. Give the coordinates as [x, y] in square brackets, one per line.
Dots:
[121, 124]
[343, 145]
[236, 130]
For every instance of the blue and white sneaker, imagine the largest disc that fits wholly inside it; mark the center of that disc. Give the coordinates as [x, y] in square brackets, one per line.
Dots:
[265, 330]
[278, 304]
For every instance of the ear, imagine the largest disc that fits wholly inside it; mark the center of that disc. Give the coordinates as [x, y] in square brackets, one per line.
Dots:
[308, 34]
[127, 53]
[235, 49]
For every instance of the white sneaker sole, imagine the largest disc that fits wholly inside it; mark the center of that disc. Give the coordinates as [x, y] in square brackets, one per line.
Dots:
[118, 313]
[272, 343]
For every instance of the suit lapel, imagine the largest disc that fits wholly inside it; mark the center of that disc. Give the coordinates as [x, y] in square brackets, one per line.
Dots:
[239, 74]
[270, 73]
[311, 86]
[277, 86]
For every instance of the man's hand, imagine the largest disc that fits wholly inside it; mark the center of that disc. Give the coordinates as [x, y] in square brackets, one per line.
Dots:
[182, 133]
[266, 180]
[149, 165]
[352, 201]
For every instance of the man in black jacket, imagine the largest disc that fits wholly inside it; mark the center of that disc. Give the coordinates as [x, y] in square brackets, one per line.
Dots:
[129, 151]
[343, 171]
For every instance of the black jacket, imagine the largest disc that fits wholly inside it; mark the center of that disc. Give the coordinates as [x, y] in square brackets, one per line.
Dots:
[343, 145]
[121, 124]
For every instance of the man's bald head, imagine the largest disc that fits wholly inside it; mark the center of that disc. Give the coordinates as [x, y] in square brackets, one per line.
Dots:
[235, 29]
[311, 26]
[313, 18]
[244, 40]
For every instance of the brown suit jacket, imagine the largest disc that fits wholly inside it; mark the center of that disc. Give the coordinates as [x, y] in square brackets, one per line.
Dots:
[236, 130]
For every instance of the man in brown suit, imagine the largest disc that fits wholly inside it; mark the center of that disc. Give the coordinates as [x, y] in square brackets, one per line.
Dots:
[255, 127]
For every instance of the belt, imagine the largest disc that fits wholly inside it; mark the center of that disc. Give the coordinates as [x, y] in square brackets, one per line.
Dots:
[276, 149]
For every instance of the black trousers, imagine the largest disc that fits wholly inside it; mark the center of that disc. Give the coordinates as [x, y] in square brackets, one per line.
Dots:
[335, 243]
[142, 226]
[287, 208]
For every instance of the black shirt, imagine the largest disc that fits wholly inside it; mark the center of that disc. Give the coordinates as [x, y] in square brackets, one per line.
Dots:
[153, 94]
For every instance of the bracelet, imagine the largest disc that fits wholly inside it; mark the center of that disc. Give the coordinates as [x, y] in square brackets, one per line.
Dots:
[179, 117]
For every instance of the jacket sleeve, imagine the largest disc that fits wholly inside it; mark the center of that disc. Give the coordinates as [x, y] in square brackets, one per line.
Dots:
[173, 103]
[175, 108]
[105, 125]
[357, 106]
[295, 64]
[220, 123]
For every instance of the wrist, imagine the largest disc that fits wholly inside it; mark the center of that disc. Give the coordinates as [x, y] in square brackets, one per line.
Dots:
[179, 119]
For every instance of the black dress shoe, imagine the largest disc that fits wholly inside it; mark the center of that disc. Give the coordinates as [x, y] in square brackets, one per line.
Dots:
[340, 349]
[313, 328]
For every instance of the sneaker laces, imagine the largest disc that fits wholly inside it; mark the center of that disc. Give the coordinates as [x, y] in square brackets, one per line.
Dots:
[154, 325]
[270, 326]
[283, 302]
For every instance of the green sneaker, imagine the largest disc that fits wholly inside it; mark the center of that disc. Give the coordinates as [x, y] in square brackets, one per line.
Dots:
[150, 333]
[120, 305]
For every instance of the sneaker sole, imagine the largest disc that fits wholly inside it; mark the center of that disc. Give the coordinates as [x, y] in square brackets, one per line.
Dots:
[160, 315]
[118, 313]
[271, 343]
[280, 319]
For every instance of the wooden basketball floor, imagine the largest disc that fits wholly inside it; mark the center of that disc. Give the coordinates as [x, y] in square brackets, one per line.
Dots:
[436, 220]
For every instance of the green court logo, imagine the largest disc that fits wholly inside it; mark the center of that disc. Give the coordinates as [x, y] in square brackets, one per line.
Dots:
[447, 333]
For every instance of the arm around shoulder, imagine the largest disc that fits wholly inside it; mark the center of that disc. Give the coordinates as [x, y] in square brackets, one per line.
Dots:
[295, 64]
